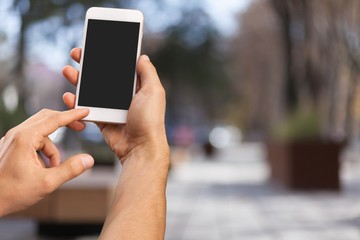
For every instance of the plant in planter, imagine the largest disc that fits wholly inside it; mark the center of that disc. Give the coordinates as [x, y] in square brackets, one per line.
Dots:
[299, 158]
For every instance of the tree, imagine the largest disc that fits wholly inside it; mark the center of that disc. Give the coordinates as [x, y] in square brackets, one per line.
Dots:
[257, 69]
[319, 50]
[191, 64]
[35, 11]
[32, 12]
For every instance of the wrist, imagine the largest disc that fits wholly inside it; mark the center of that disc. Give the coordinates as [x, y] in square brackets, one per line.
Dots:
[2, 212]
[4, 205]
[145, 171]
[152, 148]
[151, 152]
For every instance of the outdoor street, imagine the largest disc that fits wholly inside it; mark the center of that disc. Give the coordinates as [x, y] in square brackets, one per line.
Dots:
[229, 197]
[235, 73]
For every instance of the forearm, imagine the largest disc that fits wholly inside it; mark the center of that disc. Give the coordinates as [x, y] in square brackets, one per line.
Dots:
[139, 207]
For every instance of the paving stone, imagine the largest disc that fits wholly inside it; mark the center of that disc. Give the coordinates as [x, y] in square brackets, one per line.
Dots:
[231, 194]
[230, 198]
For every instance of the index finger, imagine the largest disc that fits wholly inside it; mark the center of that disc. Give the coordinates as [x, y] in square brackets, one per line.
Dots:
[55, 120]
[34, 118]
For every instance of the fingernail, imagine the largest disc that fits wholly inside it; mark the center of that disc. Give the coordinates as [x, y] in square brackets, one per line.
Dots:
[146, 58]
[88, 161]
[83, 110]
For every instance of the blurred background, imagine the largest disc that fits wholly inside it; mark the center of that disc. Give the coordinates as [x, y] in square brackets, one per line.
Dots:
[263, 110]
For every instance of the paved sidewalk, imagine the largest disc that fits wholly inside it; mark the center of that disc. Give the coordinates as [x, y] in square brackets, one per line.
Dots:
[230, 198]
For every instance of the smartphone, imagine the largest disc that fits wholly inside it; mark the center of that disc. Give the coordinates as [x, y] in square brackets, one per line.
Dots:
[107, 77]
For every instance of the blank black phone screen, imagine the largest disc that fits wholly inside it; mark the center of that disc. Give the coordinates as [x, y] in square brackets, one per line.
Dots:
[108, 70]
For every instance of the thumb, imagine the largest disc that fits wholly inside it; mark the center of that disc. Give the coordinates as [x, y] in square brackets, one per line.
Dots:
[71, 168]
[147, 72]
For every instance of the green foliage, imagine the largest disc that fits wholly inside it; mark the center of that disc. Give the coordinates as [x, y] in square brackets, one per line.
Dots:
[191, 62]
[301, 125]
[189, 53]
[187, 56]
[32, 12]
[10, 119]
[38, 10]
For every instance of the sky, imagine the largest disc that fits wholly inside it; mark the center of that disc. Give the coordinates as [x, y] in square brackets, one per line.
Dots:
[223, 15]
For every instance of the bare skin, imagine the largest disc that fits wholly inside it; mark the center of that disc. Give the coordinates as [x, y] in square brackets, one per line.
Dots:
[25, 179]
[139, 207]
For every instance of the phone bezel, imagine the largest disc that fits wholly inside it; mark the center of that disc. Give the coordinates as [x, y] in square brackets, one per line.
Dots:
[109, 115]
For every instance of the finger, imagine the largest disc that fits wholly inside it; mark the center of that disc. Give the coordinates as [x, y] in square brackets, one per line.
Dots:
[1, 141]
[138, 85]
[5, 143]
[77, 126]
[51, 152]
[147, 72]
[76, 54]
[34, 118]
[70, 169]
[71, 74]
[69, 100]
[1, 150]
[56, 120]
[41, 160]
[112, 133]
[101, 126]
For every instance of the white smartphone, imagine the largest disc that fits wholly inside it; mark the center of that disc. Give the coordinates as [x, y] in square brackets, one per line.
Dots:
[110, 51]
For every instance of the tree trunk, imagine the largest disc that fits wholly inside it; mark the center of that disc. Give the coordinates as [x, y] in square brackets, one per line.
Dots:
[283, 12]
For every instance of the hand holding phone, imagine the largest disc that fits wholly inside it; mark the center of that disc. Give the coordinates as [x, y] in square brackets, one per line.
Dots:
[107, 77]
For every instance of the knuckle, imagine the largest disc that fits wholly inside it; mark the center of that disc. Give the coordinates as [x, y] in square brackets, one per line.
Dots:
[153, 68]
[159, 91]
[54, 116]
[72, 170]
[10, 133]
[119, 149]
[48, 184]
[110, 142]
[45, 111]
[17, 137]
[162, 92]
[21, 137]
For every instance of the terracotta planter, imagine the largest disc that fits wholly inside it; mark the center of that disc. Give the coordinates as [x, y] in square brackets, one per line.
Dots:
[305, 165]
